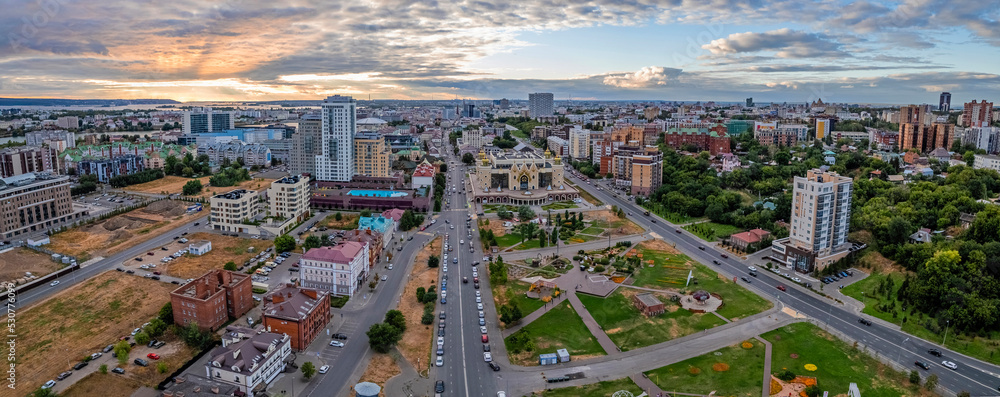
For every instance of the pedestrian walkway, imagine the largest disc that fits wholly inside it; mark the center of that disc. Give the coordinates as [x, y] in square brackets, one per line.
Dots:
[533, 315]
[767, 367]
[408, 382]
[647, 386]
[595, 329]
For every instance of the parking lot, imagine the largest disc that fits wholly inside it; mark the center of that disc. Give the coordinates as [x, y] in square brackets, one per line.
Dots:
[147, 264]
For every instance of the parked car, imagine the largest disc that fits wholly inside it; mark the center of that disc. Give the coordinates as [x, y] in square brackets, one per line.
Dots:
[324, 369]
[153, 356]
[49, 384]
[439, 385]
[140, 362]
[80, 365]
[494, 366]
[64, 375]
[118, 370]
[336, 343]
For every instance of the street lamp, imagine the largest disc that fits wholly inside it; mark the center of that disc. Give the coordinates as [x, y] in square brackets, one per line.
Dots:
[900, 351]
[948, 322]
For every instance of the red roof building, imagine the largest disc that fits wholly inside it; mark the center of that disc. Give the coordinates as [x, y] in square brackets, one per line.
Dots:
[743, 240]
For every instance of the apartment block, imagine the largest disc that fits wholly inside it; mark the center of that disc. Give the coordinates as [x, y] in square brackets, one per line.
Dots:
[646, 135]
[821, 212]
[579, 143]
[558, 146]
[306, 145]
[540, 104]
[28, 159]
[647, 171]
[203, 120]
[372, 156]
[341, 269]
[986, 161]
[300, 313]
[105, 169]
[472, 137]
[68, 122]
[336, 161]
[247, 359]
[212, 299]
[37, 138]
[986, 138]
[714, 139]
[288, 198]
[230, 210]
[768, 134]
[925, 138]
[978, 114]
[32, 203]
[250, 153]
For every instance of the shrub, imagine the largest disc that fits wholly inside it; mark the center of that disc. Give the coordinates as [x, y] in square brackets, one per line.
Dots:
[103, 369]
[814, 391]
[914, 377]
[786, 375]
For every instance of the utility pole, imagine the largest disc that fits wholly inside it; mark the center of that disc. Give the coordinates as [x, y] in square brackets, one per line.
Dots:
[948, 322]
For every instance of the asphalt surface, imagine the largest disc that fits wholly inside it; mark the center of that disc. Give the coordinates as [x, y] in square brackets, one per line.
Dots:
[887, 341]
[40, 293]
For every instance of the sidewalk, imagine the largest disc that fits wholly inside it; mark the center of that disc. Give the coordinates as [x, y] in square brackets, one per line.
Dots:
[647, 386]
[609, 346]
[766, 391]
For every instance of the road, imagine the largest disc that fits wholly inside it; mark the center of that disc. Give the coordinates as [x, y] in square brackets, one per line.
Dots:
[40, 293]
[977, 377]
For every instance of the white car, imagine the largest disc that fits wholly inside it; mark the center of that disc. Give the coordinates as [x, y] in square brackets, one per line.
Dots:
[481, 314]
[323, 369]
[390, 266]
[796, 279]
[445, 269]
[487, 356]
[136, 331]
[479, 306]
[478, 294]
[479, 300]
[949, 365]
[49, 384]
[384, 277]
[440, 341]
[336, 343]
[482, 329]
[461, 242]
[54, 283]
[752, 268]
[439, 362]
[475, 273]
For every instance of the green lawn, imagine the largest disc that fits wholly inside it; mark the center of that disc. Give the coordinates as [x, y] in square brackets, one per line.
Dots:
[559, 328]
[739, 302]
[630, 329]
[508, 240]
[599, 389]
[838, 363]
[527, 245]
[488, 208]
[671, 217]
[696, 375]
[711, 231]
[520, 134]
[515, 294]
[592, 230]
[983, 348]
[579, 238]
[559, 205]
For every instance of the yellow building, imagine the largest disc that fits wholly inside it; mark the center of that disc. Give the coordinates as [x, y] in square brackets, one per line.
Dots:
[518, 178]
[372, 156]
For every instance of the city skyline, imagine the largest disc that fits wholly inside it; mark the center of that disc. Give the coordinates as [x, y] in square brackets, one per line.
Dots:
[726, 50]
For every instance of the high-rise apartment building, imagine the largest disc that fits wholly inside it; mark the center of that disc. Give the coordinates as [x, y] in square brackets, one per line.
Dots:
[32, 203]
[203, 120]
[579, 143]
[986, 138]
[823, 128]
[821, 212]
[229, 210]
[911, 114]
[336, 162]
[307, 143]
[372, 156]
[944, 103]
[978, 114]
[925, 138]
[26, 159]
[638, 168]
[540, 104]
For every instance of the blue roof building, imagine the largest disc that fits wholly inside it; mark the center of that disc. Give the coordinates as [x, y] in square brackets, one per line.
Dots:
[376, 223]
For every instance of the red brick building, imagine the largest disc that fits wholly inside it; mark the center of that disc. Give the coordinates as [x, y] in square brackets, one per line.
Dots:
[298, 312]
[648, 304]
[211, 300]
[715, 139]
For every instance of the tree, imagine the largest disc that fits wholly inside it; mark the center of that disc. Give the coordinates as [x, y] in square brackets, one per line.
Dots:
[161, 367]
[284, 243]
[366, 213]
[308, 370]
[931, 382]
[396, 319]
[167, 313]
[382, 337]
[231, 266]
[103, 369]
[554, 238]
[121, 349]
[192, 187]
[433, 261]
[510, 314]
[338, 216]
[312, 242]
[420, 294]
[814, 391]
[914, 377]
[525, 212]
[155, 328]
[468, 158]
[142, 337]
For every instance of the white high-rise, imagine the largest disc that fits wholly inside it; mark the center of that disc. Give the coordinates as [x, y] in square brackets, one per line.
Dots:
[336, 163]
[821, 216]
[540, 104]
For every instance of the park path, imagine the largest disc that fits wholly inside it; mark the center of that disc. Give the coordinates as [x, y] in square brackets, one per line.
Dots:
[767, 367]
[595, 329]
[646, 385]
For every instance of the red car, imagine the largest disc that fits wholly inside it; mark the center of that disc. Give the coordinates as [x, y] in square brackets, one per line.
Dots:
[725, 256]
[149, 253]
[153, 356]
[486, 338]
[782, 287]
[156, 273]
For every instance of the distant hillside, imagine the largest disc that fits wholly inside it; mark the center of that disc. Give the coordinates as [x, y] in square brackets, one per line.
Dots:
[82, 102]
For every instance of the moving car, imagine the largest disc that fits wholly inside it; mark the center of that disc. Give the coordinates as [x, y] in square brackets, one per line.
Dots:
[54, 283]
[439, 385]
[324, 369]
[935, 352]
[949, 365]
[865, 322]
[752, 268]
[782, 287]
[922, 364]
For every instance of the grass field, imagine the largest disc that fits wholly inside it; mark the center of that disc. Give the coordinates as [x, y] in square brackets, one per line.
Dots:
[593, 231]
[630, 329]
[508, 240]
[174, 355]
[82, 320]
[348, 221]
[699, 375]
[15, 262]
[711, 231]
[559, 328]
[838, 363]
[224, 249]
[599, 389]
[580, 238]
[513, 292]
[559, 205]
[670, 270]
[984, 348]
[529, 244]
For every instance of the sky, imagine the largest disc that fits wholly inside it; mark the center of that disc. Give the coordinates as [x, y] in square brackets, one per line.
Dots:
[893, 52]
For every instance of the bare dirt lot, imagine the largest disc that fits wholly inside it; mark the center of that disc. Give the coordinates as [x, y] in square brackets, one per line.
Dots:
[14, 263]
[617, 226]
[60, 331]
[224, 249]
[380, 369]
[417, 340]
[118, 232]
[656, 245]
[169, 184]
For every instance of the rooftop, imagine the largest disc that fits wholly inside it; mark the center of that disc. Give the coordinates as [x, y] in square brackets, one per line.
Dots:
[246, 356]
[342, 253]
[231, 195]
[294, 303]
[648, 299]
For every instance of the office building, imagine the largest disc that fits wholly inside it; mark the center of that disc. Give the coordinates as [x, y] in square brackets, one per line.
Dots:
[986, 138]
[247, 360]
[212, 299]
[540, 104]
[288, 198]
[202, 120]
[579, 143]
[978, 114]
[336, 162]
[372, 156]
[106, 168]
[925, 138]
[821, 212]
[230, 210]
[306, 145]
[300, 313]
[341, 269]
[28, 159]
[32, 203]
[944, 102]
[252, 154]
[469, 110]
[749, 102]
[986, 161]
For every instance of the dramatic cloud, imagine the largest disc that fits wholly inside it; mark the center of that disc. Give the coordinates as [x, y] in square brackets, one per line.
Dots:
[648, 76]
[785, 43]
